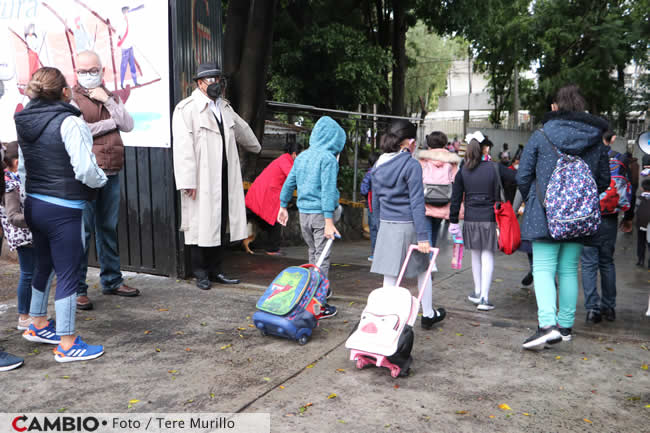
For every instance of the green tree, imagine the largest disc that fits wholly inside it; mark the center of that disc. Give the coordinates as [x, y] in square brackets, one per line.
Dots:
[429, 59]
[330, 66]
[588, 43]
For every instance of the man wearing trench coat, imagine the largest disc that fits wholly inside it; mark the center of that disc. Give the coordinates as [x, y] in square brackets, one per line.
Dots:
[213, 212]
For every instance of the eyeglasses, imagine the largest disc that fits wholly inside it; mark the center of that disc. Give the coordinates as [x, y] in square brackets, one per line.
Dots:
[210, 80]
[91, 72]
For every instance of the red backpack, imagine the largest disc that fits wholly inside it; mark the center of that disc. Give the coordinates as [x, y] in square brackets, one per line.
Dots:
[507, 224]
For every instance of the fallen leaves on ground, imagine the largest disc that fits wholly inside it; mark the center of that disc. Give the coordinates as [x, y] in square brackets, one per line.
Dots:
[586, 420]
[504, 406]
[460, 334]
[266, 379]
[340, 370]
[558, 357]
[281, 386]
[187, 349]
[180, 333]
[212, 395]
[610, 349]
[241, 329]
[461, 412]
[172, 371]
[157, 349]
[147, 332]
[525, 413]
[310, 366]
[644, 367]
[163, 309]
[226, 346]
[251, 326]
[331, 396]
[63, 409]
[585, 359]
[396, 386]
[65, 377]
[474, 323]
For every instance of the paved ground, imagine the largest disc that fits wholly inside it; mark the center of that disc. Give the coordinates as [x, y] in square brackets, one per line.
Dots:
[180, 349]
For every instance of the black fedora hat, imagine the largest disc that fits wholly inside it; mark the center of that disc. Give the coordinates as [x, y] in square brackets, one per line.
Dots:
[207, 70]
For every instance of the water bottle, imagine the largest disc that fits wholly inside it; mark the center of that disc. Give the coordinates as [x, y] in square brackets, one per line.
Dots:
[457, 253]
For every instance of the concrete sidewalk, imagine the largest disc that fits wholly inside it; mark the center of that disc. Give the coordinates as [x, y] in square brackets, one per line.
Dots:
[179, 349]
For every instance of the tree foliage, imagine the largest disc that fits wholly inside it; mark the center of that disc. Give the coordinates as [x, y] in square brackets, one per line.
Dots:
[330, 66]
[588, 43]
[429, 59]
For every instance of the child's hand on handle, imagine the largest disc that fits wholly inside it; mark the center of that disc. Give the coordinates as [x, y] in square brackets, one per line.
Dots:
[283, 216]
[424, 247]
[330, 229]
[455, 230]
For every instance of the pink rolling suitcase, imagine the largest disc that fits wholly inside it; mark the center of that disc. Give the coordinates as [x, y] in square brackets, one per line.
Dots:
[384, 335]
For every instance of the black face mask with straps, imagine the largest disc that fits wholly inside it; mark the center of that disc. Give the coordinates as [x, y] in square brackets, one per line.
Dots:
[215, 90]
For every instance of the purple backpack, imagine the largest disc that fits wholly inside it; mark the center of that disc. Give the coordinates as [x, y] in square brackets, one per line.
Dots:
[572, 202]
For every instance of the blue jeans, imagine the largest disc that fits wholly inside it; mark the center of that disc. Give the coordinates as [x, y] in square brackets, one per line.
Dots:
[101, 216]
[373, 227]
[26, 260]
[600, 258]
[549, 259]
[57, 239]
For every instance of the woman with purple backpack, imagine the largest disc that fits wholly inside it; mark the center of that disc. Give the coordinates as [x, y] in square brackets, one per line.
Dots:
[567, 130]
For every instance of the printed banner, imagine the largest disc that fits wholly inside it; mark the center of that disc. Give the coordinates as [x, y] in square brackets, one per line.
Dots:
[130, 36]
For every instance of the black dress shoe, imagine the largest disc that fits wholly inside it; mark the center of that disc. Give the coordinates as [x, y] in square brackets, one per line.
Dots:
[528, 279]
[428, 322]
[594, 317]
[222, 279]
[203, 283]
[609, 313]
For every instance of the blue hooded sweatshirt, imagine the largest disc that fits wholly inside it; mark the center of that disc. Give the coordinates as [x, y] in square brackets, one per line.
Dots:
[398, 192]
[315, 171]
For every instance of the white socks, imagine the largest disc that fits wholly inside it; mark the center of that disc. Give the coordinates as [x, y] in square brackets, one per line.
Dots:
[427, 297]
[482, 269]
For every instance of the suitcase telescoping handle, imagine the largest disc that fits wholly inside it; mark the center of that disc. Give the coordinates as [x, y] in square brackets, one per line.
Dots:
[326, 250]
[432, 263]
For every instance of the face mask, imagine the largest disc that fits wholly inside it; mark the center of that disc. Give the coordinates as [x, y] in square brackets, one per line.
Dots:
[88, 81]
[214, 90]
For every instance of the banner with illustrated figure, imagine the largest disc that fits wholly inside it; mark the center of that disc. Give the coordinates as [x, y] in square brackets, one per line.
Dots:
[130, 37]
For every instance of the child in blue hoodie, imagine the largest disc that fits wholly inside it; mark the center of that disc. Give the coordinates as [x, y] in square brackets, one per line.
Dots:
[314, 175]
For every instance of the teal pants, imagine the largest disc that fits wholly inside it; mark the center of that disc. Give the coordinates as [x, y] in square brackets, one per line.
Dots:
[549, 259]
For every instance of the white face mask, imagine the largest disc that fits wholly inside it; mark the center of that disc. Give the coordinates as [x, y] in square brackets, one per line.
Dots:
[88, 81]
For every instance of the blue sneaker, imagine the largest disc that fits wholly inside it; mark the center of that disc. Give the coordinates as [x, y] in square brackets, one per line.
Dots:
[370, 258]
[45, 335]
[9, 361]
[79, 351]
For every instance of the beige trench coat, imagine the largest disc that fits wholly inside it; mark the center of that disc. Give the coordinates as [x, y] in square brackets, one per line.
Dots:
[197, 153]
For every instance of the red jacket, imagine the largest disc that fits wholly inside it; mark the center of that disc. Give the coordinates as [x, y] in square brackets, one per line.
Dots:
[263, 197]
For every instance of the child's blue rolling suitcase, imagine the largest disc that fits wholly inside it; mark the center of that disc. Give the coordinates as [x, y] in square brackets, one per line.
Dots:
[292, 303]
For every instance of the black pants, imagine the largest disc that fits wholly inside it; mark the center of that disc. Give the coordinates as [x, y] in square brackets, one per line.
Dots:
[208, 260]
[273, 235]
[641, 245]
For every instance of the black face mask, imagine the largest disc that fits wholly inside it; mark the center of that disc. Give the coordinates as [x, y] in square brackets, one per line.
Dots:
[215, 90]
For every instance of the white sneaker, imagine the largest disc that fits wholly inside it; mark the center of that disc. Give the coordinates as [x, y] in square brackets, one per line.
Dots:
[484, 305]
[23, 324]
[474, 298]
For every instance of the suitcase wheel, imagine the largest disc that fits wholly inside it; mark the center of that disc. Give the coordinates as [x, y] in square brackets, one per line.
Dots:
[303, 340]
